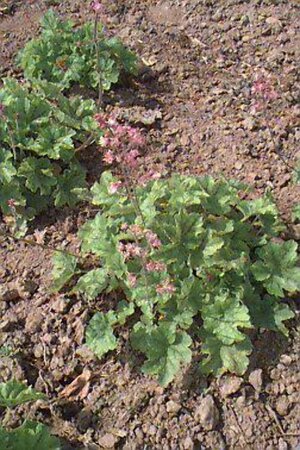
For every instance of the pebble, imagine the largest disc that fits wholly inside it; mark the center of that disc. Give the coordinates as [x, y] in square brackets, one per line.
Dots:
[282, 445]
[230, 385]
[207, 413]
[256, 379]
[152, 430]
[188, 444]
[173, 407]
[282, 405]
[286, 360]
[108, 440]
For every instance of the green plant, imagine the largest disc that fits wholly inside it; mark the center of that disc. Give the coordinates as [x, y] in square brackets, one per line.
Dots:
[66, 55]
[191, 262]
[40, 131]
[30, 435]
[14, 393]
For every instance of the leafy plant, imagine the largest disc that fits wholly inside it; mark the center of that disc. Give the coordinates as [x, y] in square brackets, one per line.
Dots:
[14, 393]
[296, 213]
[30, 435]
[66, 55]
[194, 261]
[39, 132]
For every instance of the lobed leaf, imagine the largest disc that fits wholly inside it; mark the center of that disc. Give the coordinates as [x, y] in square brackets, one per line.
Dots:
[14, 393]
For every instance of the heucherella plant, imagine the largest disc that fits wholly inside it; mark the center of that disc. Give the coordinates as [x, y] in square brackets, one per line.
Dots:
[189, 260]
[40, 133]
[66, 55]
[30, 435]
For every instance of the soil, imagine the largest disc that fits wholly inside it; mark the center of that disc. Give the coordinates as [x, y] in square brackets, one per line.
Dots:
[193, 98]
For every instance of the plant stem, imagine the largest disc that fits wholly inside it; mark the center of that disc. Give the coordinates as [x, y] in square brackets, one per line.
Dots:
[96, 42]
[37, 244]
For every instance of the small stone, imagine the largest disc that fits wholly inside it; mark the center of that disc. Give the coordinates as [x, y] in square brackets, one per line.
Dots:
[152, 430]
[250, 123]
[33, 321]
[9, 295]
[282, 445]
[108, 441]
[173, 407]
[139, 435]
[275, 374]
[30, 286]
[256, 380]
[207, 413]
[230, 385]
[286, 360]
[282, 405]
[239, 165]
[188, 444]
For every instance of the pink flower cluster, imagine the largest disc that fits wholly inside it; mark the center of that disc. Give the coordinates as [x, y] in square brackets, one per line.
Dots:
[166, 288]
[2, 109]
[114, 187]
[138, 232]
[155, 266]
[121, 141]
[150, 175]
[131, 250]
[153, 239]
[97, 7]
[11, 203]
[264, 92]
[132, 279]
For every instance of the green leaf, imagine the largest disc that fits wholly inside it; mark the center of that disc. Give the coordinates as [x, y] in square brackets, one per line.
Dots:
[222, 358]
[296, 213]
[38, 174]
[7, 169]
[101, 191]
[99, 333]
[277, 269]
[223, 316]
[92, 283]
[124, 310]
[268, 313]
[14, 393]
[166, 350]
[71, 179]
[29, 436]
[64, 267]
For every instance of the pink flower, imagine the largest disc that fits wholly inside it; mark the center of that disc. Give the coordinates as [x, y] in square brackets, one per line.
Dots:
[155, 266]
[132, 279]
[130, 158]
[133, 250]
[108, 157]
[166, 288]
[2, 109]
[264, 89]
[106, 142]
[153, 239]
[114, 187]
[97, 6]
[135, 136]
[124, 227]
[101, 119]
[112, 122]
[130, 250]
[11, 203]
[151, 175]
[136, 230]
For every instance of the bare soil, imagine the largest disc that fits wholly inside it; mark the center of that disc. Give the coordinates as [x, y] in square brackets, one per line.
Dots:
[193, 98]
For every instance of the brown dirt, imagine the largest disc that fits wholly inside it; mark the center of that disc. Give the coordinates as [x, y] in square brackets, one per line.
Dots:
[200, 59]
